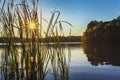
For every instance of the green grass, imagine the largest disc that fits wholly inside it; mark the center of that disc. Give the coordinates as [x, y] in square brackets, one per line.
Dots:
[33, 60]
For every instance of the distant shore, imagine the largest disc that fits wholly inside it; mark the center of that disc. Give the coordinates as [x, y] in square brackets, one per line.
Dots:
[47, 39]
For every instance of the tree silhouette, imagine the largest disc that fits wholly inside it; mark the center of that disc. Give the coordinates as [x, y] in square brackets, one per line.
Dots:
[102, 31]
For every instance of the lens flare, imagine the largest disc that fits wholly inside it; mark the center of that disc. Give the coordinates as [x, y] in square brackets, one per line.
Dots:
[32, 25]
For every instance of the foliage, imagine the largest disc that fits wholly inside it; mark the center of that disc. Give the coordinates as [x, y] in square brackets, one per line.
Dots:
[103, 31]
[33, 60]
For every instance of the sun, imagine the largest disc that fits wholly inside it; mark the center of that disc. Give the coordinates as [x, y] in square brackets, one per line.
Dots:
[32, 25]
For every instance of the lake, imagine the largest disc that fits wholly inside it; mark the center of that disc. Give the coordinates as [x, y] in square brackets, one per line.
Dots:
[84, 62]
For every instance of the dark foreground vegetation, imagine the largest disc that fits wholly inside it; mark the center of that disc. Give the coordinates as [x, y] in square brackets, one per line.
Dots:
[47, 39]
[103, 32]
[21, 22]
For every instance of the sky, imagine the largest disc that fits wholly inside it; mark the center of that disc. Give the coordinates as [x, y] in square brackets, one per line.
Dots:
[80, 12]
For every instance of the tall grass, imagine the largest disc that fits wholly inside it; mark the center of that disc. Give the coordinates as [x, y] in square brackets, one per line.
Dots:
[34, 59]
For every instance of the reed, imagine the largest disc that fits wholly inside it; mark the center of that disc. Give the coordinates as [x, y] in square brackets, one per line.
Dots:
[33, 60]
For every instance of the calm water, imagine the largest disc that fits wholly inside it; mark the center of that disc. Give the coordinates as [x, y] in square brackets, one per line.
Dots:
[91, 62]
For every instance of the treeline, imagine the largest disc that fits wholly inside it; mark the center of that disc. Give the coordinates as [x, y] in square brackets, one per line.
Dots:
[47, 39]
[63, 39]
[105, 32]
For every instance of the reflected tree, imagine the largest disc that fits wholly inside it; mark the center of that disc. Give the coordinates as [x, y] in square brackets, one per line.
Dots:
[99, 54]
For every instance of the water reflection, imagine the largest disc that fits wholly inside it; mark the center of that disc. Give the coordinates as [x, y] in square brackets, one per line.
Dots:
[102, 54]
[20, 63]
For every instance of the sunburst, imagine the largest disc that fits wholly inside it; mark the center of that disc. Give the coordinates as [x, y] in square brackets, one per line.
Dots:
[32, 26]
